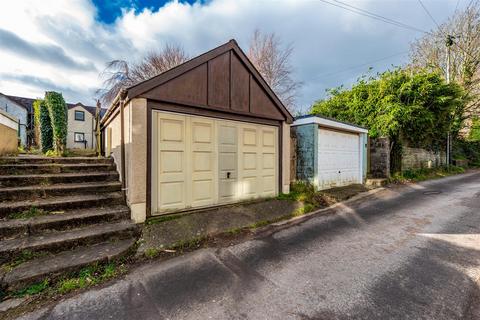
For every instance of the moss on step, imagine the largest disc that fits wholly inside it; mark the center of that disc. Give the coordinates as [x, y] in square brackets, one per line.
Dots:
[24, 256]
[30, 213]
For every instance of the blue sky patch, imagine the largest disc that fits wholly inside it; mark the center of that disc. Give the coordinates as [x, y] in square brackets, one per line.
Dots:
[109, 10]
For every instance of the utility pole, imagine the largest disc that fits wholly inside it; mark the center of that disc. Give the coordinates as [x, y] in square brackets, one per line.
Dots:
[448, 44]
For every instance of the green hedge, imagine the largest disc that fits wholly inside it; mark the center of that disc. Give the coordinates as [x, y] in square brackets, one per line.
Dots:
[58, 114]
[469, 150]
[46, 134]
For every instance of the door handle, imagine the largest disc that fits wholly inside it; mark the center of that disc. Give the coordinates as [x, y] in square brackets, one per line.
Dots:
[228, 175]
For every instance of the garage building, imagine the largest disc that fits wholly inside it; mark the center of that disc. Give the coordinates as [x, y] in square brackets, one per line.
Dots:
[208, 132]
[329, 153]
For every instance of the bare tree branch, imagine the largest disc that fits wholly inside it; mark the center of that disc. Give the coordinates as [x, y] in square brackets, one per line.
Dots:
[120, 74]
[273, 62]
[430, 52]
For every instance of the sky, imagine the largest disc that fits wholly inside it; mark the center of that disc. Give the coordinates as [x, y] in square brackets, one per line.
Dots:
[65, 45]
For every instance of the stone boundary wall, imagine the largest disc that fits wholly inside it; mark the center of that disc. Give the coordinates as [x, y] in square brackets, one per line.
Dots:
[379, 157]
[418, 158]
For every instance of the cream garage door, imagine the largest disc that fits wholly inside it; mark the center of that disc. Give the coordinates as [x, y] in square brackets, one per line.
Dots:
[338, 158]
[200, 162]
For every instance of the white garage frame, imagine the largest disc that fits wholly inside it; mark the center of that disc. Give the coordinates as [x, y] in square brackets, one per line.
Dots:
[324, 176]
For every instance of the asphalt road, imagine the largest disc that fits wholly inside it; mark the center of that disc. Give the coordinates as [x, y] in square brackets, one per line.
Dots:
[409, 252]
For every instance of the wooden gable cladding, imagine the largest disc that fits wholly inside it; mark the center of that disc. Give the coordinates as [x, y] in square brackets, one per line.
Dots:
[222, 83]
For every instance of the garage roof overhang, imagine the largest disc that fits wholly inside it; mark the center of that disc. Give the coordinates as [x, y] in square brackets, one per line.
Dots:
[328, 123]
[163, 84]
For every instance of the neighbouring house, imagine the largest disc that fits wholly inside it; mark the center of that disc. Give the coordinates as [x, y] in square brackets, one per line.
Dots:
[81, 127]
[208, 132]
[8, 133]
[329, 153]
[22, 113]
[81, 122]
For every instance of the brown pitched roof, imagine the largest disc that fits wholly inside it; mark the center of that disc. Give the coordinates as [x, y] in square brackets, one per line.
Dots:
[144, 86]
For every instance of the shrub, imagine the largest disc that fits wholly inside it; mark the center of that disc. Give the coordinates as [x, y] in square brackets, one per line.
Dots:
[469, 150]
[46, 134]
[58, 114]
[36, 120]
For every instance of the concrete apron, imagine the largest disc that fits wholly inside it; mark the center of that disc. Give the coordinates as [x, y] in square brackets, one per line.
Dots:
[377, 259]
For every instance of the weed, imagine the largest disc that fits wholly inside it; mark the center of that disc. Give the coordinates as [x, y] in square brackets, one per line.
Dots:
[33, 289]
[425, 174]
[26, 214]
[151, 253]
[163, 219]
[24, 256]
[89, 276]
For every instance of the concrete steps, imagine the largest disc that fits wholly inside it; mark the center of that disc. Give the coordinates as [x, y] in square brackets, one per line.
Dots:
[46, 179]
[61, 203]
[64, 240]
[41, 159]
[62, 214]
[26, 168]
[15, 228]
[55, 266]
[59, 189]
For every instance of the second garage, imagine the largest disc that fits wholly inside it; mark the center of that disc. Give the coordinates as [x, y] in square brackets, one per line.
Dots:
[330, 153]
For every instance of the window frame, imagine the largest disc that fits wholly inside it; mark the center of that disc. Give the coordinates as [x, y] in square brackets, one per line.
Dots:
[75, 136]
[79, 112]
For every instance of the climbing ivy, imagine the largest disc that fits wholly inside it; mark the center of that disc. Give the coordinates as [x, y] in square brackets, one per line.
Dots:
[58, 114]
[36, 120]
[46, 134]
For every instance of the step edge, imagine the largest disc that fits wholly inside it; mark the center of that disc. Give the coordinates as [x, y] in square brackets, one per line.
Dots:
[75, 234]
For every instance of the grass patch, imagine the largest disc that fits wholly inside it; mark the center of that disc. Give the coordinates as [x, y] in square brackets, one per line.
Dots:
[425, 174]
[26, 214]
[89, 276]
[33, 289]
[164, 218]
[151, 253]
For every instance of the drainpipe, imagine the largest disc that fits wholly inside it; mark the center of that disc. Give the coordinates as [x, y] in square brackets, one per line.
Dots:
[123, 94]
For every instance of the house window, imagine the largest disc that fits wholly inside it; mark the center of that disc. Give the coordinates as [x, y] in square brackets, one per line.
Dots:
[79, 115]
[79, 137]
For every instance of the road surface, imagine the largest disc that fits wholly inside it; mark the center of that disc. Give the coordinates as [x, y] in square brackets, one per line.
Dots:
[407, 252]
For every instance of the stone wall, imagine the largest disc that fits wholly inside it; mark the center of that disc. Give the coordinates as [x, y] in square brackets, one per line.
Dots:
[417, 158]
[379, 157]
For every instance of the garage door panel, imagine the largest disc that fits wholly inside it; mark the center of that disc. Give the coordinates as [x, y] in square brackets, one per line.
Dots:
[227, 189]
[172, 130]
[203, 161]
[249, 161]
[249, 186]
[173, 195]
[171, 161]
[338, 158]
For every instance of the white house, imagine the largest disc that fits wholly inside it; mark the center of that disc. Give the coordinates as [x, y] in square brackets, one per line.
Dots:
[19, 111]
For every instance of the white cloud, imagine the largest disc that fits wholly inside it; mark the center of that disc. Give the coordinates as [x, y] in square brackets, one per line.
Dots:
[326, 39]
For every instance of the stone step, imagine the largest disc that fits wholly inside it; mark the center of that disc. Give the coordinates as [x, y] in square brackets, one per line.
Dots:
[68, 219]
[54, 242]
[36, 168]
[62, 203]
[41, 159]
[53, 267]
[63, 189]
[45, 179]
